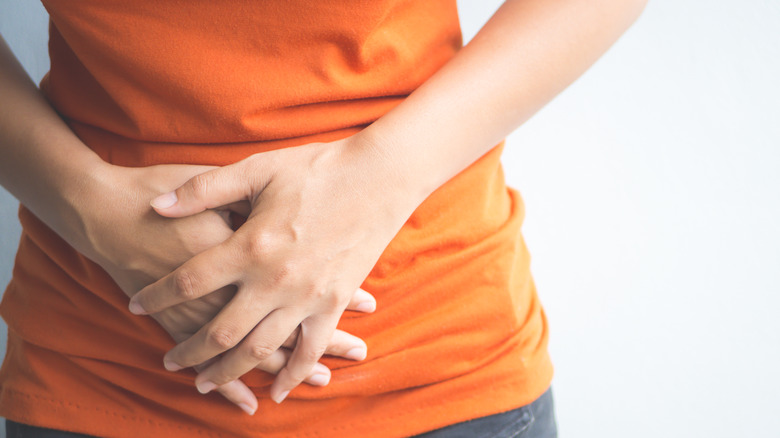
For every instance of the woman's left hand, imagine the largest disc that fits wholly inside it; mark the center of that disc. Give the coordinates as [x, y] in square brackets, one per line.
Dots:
[321, 215]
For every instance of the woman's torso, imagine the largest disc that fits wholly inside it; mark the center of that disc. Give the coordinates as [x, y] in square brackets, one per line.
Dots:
[459, 332]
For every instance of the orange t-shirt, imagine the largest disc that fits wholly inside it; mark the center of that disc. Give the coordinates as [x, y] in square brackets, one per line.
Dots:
[459, 332]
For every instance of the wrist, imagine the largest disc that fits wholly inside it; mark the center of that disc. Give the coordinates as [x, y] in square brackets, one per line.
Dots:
[395, 166]
[388, 173]
[84, 201]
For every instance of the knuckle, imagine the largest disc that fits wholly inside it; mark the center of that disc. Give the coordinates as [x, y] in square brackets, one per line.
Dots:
[336, 302]
[200, 185]
[184, 284]
[330, 300]
[221, 337]
[258, 246]
[260, 352]
[317, 292]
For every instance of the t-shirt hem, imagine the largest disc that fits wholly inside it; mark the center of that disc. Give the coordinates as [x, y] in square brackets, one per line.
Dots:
[25, 408]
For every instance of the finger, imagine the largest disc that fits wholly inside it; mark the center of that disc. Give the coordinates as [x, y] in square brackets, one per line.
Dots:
[316, 331]
[240, 395]
[346, 346]
[236, 392]
[218, 187]
[342, 344]
[258, 346]
[320, 374]
[279, 359]
[206, 272]
[362, 301]
[275, 362]
[235, 321]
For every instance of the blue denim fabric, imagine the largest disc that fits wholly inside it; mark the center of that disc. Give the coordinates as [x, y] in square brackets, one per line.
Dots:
[18, 430]
[536, 420]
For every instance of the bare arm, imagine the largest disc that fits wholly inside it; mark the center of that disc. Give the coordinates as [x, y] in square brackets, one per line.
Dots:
[527, 53]
[42, 162]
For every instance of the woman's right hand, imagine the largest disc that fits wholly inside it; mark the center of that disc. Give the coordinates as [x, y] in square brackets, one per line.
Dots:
[136, 247]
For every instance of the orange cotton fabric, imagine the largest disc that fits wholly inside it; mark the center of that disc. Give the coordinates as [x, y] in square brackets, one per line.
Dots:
[459, 332]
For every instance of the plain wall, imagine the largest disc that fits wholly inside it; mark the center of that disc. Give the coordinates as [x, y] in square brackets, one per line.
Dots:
[653, 202]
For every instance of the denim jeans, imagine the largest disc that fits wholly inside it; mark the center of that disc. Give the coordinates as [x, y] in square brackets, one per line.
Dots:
[19, 430]
[536, 420]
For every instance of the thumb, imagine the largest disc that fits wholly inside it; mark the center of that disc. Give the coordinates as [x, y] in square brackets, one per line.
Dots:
[212, 189]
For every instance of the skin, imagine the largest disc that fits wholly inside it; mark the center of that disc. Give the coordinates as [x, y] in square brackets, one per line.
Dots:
[319, 215]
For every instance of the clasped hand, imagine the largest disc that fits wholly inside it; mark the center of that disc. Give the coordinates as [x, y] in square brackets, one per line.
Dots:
[320, 217]
[136, 247]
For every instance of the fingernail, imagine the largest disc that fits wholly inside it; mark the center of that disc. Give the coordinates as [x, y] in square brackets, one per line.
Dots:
[136, 308]
[357, 353]
[205, 387]
[165, 201]
[171, 365]
[246, 408]
[366, 306]
[280, 398]
[319, 379]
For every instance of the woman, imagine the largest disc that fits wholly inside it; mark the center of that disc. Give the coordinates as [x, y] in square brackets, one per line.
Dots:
[360, 170]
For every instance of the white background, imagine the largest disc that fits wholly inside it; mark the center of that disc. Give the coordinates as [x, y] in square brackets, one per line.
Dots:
[652, 188]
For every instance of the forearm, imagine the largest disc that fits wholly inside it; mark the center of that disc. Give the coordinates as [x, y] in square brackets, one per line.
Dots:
[42, 162]
[527, 53]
